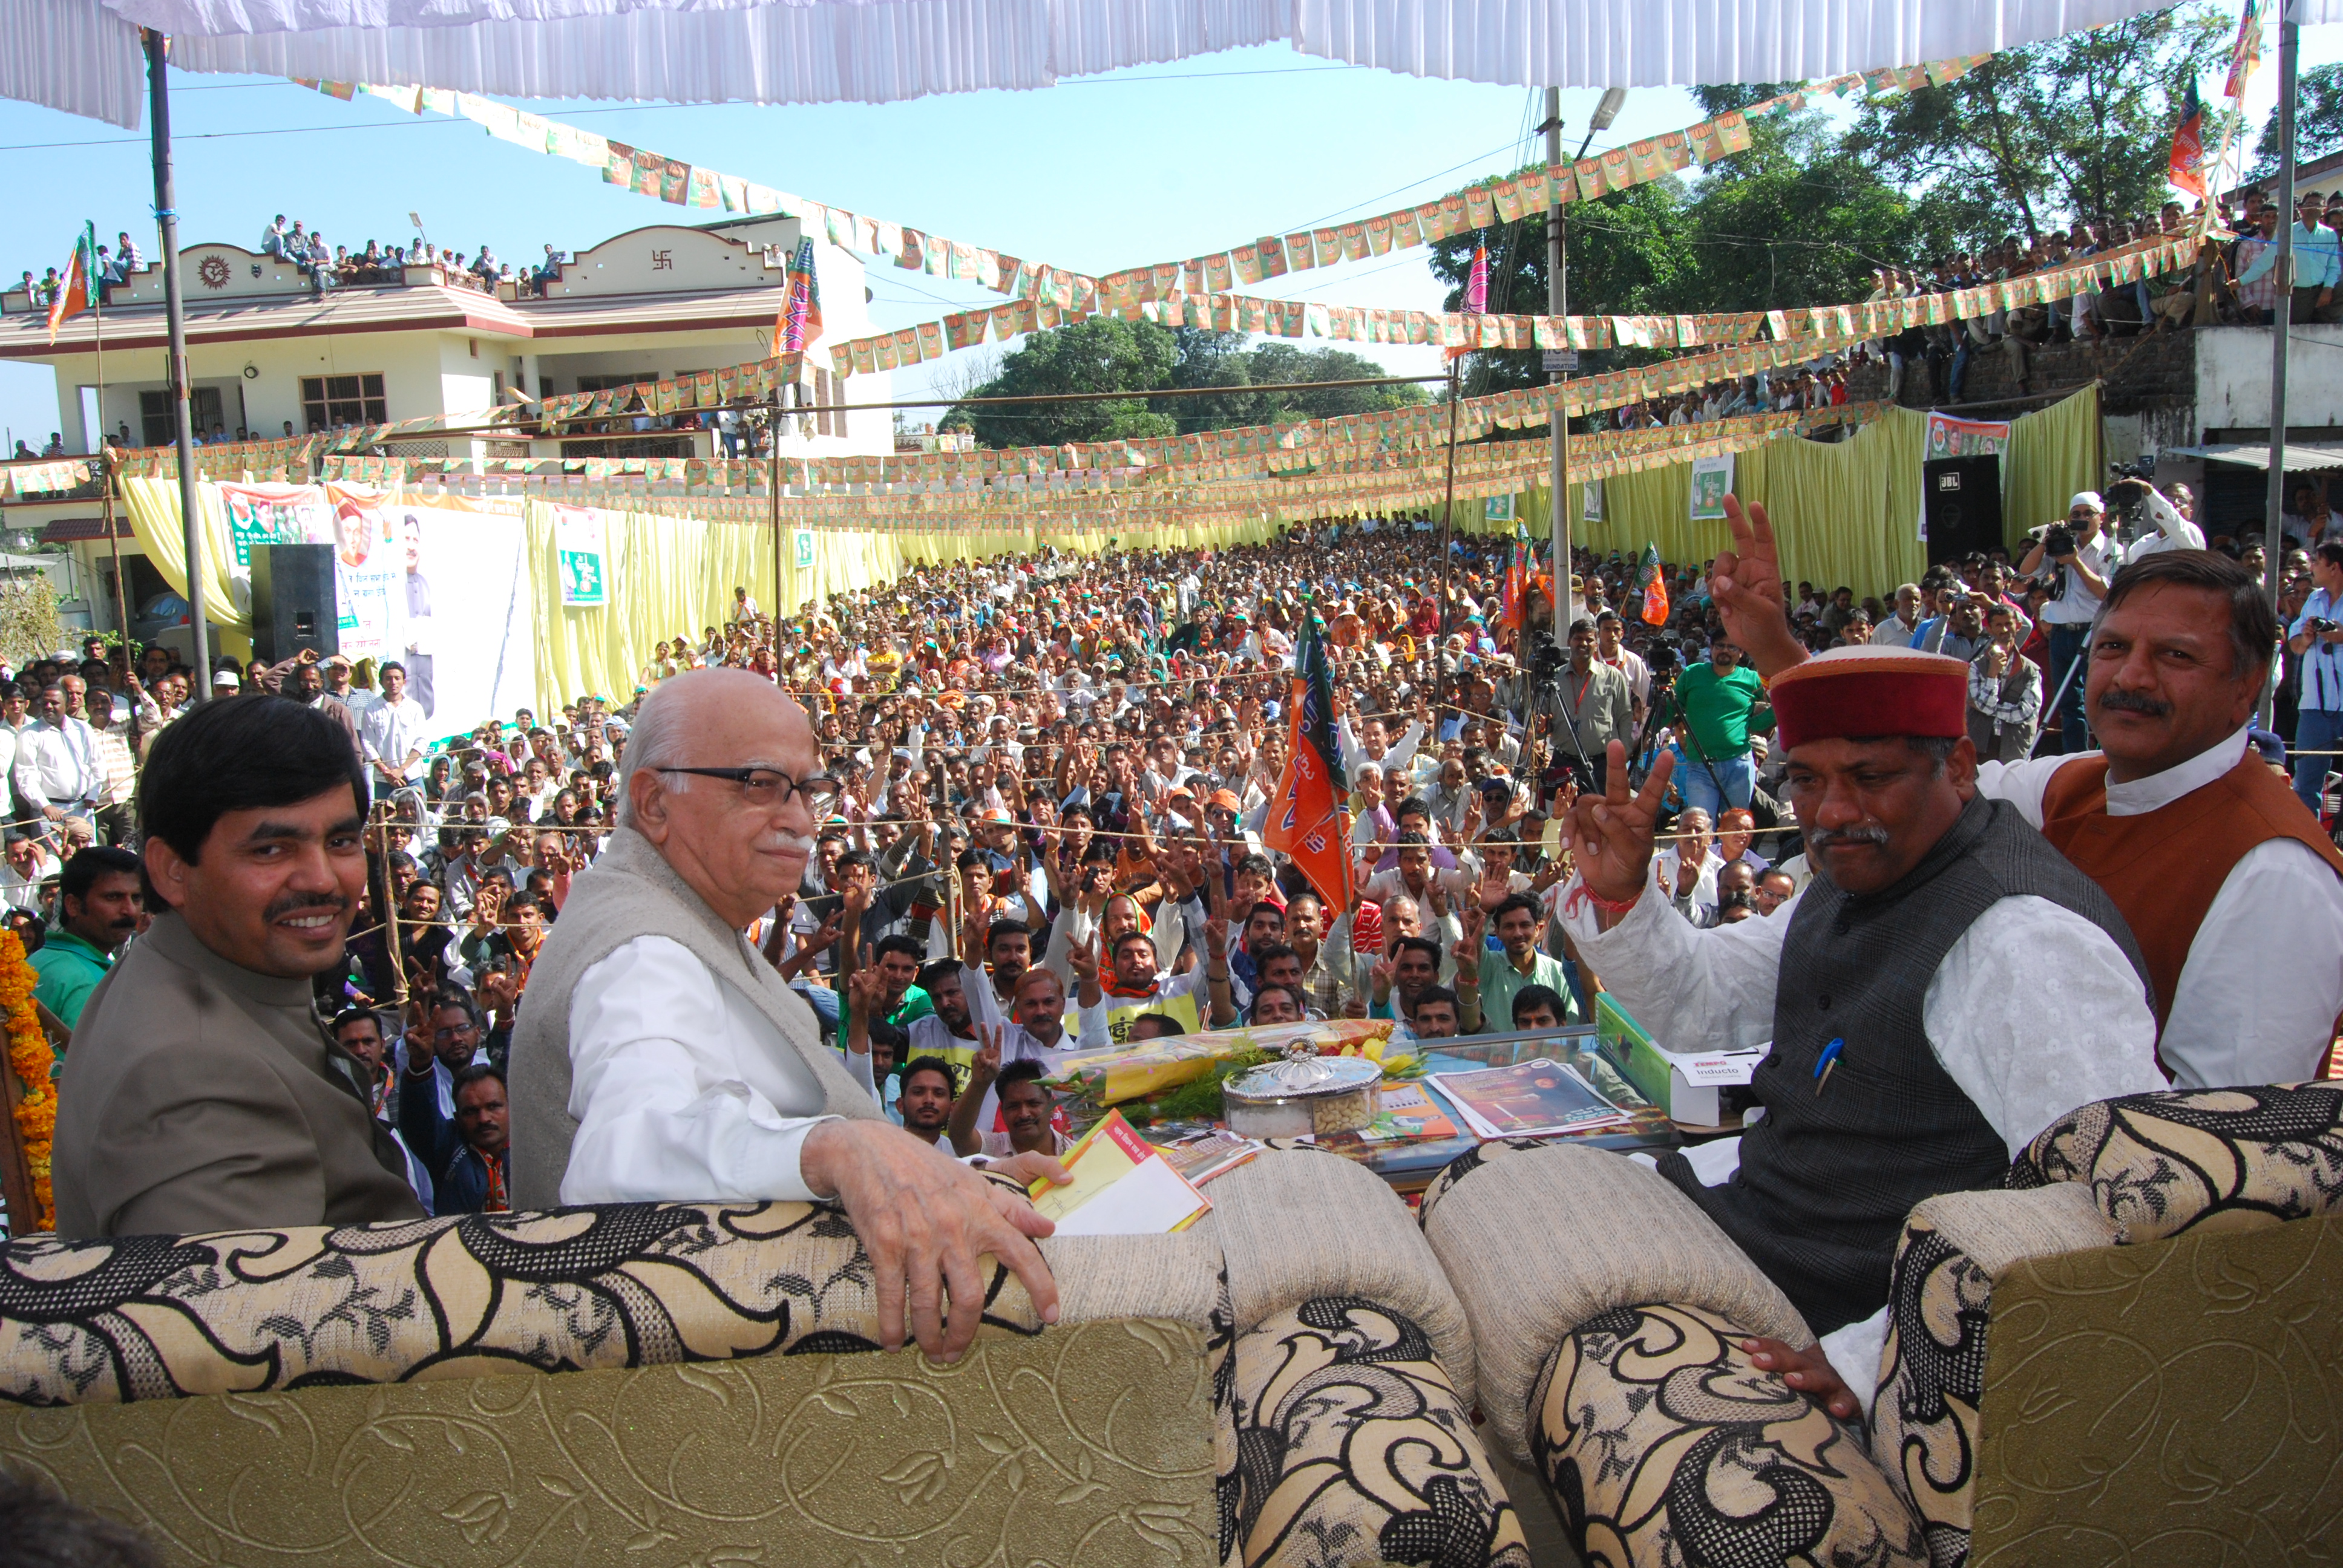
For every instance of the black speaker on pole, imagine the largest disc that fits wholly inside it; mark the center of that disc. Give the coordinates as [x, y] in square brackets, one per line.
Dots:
[1960, 498]
[293, 603]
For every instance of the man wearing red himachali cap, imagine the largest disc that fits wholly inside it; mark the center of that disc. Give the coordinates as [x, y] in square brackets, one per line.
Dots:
[1907, 1057]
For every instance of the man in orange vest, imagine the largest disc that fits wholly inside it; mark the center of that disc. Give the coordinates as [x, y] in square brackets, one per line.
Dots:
[2233, 895]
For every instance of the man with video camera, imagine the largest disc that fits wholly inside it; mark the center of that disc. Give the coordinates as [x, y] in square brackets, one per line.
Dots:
[2083, 560]
[1578, 707]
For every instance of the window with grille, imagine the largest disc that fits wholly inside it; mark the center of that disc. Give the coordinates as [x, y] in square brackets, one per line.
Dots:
[328, 401]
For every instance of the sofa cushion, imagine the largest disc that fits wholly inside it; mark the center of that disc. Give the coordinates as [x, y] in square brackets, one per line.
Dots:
[2168, 1403]
[1662, 1445]
[1538, 1240]
[1294, 1224]
[2159, 1164]
[1346, 1444]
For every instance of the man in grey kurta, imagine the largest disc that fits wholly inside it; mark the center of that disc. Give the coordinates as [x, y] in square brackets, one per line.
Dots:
[201, 1092]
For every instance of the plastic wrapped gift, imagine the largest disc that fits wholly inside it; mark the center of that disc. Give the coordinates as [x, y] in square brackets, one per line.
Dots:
[1108, 1076]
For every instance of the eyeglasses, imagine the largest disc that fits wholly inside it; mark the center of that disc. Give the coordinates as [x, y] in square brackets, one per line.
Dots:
[766, 789]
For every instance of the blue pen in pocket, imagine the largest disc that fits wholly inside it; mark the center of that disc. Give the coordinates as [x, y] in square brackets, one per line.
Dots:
[1825, 1062]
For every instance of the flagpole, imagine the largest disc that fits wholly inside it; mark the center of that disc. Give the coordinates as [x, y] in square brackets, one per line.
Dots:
[773, 498]
[2289, 40]
[1448, 504]
[103, 451]
[1557, 304]
[199, 653]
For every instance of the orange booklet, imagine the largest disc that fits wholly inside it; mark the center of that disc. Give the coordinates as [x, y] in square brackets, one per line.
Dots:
[1122, 1186]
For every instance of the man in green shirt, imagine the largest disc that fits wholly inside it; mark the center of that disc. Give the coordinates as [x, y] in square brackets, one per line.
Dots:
[97, 911]
[1718, 704]
[1519, 922]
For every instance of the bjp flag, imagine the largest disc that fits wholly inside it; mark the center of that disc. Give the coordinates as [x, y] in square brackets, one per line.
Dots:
[78, 288]
[1655, 583]
[1305, 819]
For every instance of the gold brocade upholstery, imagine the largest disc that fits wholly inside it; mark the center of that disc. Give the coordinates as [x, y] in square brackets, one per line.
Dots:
[1089, 1445]
[2172, 1403]
[381, 1393]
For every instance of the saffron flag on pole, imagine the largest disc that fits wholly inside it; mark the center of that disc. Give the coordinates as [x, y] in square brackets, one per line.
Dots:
[801, 319]
[2247, 51]
[79, 286]
[1305, 819]
[1655, 583]
[2188, 145]
[1477, 294]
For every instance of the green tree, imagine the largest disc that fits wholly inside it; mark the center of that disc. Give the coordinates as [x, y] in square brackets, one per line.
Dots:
[1109, 355]
[1796, 219]
[1101, 354]
[2317, 120]
[2079, 128]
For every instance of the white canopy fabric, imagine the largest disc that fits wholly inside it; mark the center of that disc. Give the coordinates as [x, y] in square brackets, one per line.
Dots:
[82, 55]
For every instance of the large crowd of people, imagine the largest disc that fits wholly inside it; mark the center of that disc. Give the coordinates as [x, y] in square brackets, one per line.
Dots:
[817, 908]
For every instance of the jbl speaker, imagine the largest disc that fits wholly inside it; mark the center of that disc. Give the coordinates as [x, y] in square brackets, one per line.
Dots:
[1961, 501]
[293, 603]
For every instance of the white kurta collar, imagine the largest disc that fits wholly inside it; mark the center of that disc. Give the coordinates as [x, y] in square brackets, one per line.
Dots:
[2141, 795]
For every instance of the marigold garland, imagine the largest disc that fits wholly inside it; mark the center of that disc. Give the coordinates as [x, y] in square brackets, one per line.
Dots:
[30, 1058]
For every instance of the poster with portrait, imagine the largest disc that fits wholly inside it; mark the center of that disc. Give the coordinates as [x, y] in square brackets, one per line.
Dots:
[436, 583]
[465, 592]
[1591, 496]
[1497, 508]
[1712, 481]
[369, 577]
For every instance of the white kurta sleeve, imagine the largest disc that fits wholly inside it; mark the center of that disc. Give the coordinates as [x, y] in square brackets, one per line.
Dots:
[2257, 999]
[1987, 1003]
[2022, 783]
[1692, 990]
[662, 1108]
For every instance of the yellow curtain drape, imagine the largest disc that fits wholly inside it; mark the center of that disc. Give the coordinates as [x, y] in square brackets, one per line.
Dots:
[1845, 513]
[153, 505]
[2052, 455]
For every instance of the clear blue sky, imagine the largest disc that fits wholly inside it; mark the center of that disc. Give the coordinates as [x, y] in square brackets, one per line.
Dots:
[1100, 173]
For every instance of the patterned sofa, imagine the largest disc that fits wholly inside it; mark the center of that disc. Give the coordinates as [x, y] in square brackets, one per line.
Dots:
[2133, 1354]
[699, 1382]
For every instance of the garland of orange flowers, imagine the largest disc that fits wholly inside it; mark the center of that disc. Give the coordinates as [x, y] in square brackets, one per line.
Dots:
[30, 1058]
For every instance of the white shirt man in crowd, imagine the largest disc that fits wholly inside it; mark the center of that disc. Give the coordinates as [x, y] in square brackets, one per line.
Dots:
[393, 732]
[58, 773]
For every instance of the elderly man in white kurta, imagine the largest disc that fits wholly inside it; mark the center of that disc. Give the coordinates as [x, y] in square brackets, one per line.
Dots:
[660, 1057]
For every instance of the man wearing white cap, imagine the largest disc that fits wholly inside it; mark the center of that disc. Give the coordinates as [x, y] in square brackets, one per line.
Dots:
[2085, 559]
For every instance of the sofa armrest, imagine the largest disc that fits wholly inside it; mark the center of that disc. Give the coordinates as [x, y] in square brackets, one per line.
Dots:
[1926, 1430]
[1546, 1238]
[1295, 1225]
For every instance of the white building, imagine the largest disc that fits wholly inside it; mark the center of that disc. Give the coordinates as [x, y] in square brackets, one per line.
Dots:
[271, 354]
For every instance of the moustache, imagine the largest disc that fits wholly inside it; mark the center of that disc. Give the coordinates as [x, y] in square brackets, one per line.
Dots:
[2123, 702]
[1832, 839]
[790, 844]
[292, 903]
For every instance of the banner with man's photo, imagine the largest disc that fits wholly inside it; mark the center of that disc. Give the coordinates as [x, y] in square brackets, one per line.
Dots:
[440, 586]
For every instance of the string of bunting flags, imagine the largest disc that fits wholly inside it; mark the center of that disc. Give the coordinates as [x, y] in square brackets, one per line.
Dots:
[1079, 498]
[1039, 283]
[1796, 335]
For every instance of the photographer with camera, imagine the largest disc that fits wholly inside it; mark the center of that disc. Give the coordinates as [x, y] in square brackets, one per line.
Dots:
[1579, 706]
[2315, 638]
[2153, 521]
[2085, 559]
